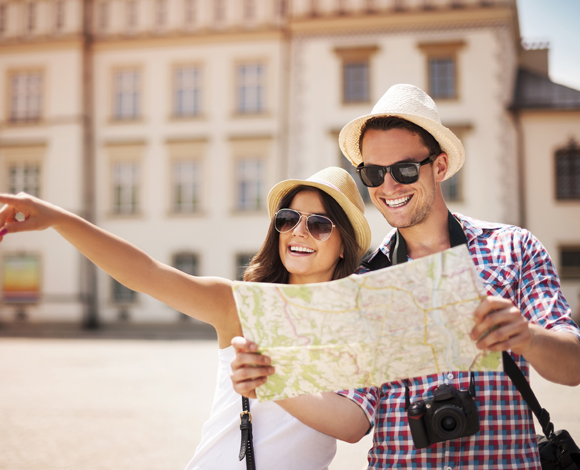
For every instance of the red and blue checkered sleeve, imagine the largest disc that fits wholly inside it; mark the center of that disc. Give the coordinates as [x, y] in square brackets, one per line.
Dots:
[541, 300]
[366, 398]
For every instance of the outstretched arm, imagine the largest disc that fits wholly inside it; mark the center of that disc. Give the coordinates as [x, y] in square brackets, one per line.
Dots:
[326, 412]
[208, 299]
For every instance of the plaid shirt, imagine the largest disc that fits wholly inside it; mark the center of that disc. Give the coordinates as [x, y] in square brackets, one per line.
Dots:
[512, 264]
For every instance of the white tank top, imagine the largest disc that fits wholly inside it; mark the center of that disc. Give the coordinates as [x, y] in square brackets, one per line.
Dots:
[280, 440]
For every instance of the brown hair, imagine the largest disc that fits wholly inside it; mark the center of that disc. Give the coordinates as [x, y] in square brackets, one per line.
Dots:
[387, 123]
[267, 266]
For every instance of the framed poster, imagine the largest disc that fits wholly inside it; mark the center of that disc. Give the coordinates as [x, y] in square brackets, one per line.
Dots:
[21, 279]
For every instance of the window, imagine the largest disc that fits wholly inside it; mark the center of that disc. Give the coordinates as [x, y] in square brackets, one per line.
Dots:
[186, 186]
[131, 14]
[442, 68]
[125, 188]
[122, 294]
[26, 96]
[242, 262]
[190, 10]
[3, 12]
[570, 262]
[282, 8]
[31, 17]
[250, 88]
[218, 11]
[249, 10]
[442, 77]
[126, 94]
[24, 177]
[249, 185]
[59, 15]
[187, 100]
[355, 82]
[356, 69]
[568, 172]
[186, 262]
[161, 7]
[103, 16]
[362, 189]
[451, 188]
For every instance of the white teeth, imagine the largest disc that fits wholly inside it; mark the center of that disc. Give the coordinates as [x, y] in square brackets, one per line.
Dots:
[301, 249]
[397, 202]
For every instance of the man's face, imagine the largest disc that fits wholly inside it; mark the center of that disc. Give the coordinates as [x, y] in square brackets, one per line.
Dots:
[403, 205]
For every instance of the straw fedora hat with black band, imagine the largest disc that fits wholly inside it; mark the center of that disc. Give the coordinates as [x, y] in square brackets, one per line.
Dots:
[413, 104]
[341, 187]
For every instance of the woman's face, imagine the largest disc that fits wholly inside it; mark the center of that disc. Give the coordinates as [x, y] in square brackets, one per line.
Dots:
[307, 259]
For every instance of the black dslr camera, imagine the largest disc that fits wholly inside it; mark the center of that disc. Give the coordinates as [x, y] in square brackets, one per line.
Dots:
[450, 414]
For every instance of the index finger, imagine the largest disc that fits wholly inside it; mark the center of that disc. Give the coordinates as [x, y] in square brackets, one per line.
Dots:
[490, 304]
[242, 344]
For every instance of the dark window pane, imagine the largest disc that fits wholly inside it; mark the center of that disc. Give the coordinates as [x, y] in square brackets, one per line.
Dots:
[242, 262]
[451, 188]
[568, 172]
[122, 294]
[442, 77]
[356, 82]
[570, 262]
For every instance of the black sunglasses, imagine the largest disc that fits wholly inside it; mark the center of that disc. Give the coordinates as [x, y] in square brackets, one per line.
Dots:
[319, 226]
[403, 172]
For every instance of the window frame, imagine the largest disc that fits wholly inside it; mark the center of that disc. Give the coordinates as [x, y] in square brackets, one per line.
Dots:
[356, 55]
[119, 153]
[138, 100]
[28, 120]
[200, 82]
[443, 50]
[568, 273]
[260, 105]
[571, 149]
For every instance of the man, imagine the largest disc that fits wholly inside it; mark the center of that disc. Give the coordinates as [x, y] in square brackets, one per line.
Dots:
[403, 153]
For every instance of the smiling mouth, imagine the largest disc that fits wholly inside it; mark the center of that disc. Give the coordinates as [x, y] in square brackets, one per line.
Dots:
[301, 249]
[399, 202]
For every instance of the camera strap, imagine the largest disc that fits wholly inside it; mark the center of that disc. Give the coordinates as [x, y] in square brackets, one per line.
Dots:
[398, 247]
[247, 446]
[519, 380]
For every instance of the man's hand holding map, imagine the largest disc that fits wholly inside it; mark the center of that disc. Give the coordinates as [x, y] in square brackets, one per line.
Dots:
[409, 320]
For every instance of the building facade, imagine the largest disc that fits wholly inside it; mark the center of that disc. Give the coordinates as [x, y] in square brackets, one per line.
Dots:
[167, 121]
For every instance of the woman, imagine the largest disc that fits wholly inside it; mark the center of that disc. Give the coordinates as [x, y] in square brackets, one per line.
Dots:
[317, 233]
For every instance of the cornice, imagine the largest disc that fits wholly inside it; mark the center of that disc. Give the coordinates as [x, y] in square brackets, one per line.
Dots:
[399, 21]
[147, 40]
[40, 44]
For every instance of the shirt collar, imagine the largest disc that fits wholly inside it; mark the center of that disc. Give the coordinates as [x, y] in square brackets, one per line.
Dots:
[473, 228]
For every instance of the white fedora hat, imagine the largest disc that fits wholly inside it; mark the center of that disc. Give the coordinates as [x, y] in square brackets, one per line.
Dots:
[337, 183]
[413, 104]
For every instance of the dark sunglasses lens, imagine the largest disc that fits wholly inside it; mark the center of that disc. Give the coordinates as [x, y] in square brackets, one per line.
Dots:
[405, 173]
[372, 176]
[286, 220]
[319, 227]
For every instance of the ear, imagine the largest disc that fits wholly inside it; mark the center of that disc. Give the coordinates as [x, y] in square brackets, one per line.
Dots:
[440, 166]
[341, 251]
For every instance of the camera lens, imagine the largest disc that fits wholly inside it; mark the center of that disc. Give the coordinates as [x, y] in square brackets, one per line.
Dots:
[449, 422]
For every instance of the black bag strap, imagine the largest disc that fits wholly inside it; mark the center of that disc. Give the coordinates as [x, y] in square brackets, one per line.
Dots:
[516, 375]
[247, 446]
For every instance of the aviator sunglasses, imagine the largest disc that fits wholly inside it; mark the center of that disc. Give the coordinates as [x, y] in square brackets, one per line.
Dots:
[403, 172]
[319, 226]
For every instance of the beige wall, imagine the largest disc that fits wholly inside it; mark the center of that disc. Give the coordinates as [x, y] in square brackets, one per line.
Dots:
[555, 223]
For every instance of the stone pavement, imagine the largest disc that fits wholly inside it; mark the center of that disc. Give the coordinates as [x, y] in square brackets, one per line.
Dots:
[117, 404]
